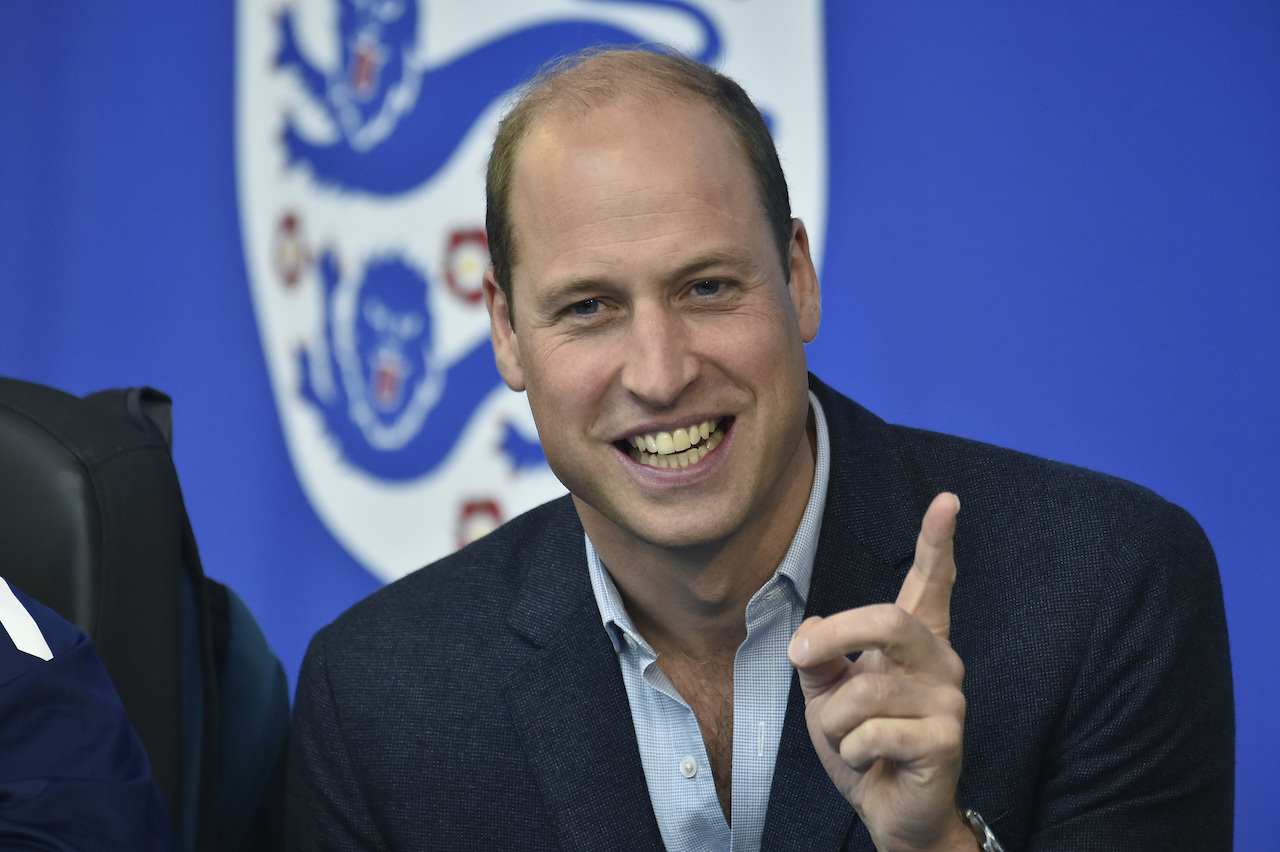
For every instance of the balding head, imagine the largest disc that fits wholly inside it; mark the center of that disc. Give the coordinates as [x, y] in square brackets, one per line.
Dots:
[576, 86]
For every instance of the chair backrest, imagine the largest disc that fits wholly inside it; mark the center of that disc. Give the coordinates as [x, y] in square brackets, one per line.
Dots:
[93, 525]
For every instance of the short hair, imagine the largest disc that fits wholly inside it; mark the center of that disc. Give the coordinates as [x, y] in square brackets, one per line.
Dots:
[592, 78]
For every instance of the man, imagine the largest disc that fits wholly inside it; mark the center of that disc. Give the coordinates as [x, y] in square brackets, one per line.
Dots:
[73, 774]
[614, 669]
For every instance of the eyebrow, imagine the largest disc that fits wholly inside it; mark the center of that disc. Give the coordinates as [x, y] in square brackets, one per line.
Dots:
[587, 285]
[742, 261]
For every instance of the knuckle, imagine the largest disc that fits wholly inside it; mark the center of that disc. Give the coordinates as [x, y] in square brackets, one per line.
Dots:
[863, 744]
[833, 725]
[951, 726]
[949, 736]
[890, 620]
[870, 690]
[953, 667]
[954, 706]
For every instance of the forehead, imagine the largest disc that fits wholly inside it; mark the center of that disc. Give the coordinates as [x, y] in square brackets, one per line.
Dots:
[666, 132]
[628, 167]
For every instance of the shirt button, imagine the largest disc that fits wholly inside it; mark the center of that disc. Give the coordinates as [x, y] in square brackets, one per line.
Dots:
[688, 766]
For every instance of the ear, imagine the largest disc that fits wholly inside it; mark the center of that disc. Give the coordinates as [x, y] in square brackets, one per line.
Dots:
[805, 297]
[506, 348]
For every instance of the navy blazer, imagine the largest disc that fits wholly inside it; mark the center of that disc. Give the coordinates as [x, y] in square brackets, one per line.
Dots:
[478, 703]
[73, 773]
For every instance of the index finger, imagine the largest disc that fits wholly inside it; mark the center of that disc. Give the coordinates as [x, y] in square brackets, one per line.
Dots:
[926, 591]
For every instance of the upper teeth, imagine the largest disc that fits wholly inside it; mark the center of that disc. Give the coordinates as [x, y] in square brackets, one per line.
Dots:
[666, 443]
[680, 448]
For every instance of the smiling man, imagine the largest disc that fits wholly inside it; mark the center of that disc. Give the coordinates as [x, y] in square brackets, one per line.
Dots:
[739, 630]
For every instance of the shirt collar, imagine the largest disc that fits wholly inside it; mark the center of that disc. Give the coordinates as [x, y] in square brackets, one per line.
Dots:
[796, 565]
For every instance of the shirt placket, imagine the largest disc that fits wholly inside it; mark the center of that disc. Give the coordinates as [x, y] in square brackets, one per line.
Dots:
[761, 674]
[692, 819]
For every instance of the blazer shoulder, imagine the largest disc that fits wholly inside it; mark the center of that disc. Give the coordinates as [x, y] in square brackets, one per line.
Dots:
[1005, 476]
[872, 458]
[475, 585]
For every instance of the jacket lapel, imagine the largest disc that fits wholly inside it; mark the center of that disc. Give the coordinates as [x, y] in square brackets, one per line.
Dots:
[869, 525]
[570, 706]
[569, 703]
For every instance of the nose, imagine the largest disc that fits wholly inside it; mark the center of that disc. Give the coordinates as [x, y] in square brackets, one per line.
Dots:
[659, 363]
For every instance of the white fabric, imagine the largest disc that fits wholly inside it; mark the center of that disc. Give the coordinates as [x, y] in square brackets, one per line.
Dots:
[20, 626]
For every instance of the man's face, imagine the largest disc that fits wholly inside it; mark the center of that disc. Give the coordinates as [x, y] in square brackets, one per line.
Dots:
[650, 305]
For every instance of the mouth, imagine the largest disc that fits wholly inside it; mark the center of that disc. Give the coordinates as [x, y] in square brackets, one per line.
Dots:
[680, 448]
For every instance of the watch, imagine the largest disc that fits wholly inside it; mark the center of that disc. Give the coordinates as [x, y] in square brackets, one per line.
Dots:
[986, 840]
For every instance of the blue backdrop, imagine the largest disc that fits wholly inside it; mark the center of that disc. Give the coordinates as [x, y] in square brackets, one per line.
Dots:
[1051, 226]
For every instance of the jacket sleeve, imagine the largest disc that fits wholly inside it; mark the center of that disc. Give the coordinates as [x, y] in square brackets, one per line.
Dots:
[325, 807]
[1144, 755]
[73, 773]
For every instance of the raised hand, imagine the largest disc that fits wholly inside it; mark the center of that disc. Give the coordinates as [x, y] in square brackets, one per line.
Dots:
[889, 725]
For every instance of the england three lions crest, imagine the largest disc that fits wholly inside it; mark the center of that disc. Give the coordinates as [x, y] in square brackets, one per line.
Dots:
[362, 132]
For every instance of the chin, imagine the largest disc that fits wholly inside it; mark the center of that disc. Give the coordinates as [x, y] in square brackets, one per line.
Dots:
[680, 532]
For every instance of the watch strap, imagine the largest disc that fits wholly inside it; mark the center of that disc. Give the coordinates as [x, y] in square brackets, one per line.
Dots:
[986, 840]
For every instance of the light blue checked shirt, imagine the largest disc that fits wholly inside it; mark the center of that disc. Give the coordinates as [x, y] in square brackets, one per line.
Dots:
[671, 748]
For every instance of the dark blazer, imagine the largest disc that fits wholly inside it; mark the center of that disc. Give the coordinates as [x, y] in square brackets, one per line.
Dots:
[478, 703]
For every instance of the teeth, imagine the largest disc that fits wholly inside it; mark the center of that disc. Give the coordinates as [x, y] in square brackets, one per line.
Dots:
[669, 443]
[677, 458]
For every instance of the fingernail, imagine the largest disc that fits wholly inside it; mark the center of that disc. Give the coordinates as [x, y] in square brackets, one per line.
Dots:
[800, 650]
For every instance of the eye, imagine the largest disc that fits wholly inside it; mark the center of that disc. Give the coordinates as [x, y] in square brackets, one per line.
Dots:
[586, 308]
[707, 287]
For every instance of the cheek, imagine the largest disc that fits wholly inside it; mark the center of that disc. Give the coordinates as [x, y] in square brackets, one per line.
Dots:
[565, 367]
[758, 342]
[559, 384]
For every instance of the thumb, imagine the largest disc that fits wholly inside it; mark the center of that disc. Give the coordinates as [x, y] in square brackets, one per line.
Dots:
[818, 669]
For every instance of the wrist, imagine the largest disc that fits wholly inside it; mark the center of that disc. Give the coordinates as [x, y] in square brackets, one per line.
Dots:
[956, 836]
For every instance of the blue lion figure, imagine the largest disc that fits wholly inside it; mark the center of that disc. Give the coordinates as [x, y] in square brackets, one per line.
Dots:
[394, 409]
[368, 91]
[400, 123]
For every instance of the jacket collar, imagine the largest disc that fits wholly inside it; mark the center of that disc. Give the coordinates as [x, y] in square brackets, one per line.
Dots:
[865, 549]
[570, 705]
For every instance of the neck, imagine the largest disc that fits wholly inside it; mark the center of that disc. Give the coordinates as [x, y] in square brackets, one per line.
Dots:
[690, 605]
[693, 600]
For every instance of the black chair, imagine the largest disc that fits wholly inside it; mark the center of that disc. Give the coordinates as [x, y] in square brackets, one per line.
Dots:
[93, 525]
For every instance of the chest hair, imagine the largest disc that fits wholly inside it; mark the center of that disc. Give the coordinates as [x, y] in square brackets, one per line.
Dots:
[708, 689]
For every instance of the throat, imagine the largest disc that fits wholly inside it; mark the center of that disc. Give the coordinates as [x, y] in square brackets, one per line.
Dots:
[707, 687]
